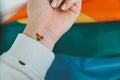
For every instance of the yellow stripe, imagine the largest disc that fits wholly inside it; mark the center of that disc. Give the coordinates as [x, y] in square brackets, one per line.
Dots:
[23, 21]
[83, 18]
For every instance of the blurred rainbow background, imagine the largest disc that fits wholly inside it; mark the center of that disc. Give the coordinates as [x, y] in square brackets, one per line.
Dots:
[90, 50]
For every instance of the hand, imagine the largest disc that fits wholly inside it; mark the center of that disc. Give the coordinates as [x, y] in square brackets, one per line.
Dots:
[51, 22]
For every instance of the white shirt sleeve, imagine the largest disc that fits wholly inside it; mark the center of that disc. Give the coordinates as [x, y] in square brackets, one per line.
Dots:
[26, 60]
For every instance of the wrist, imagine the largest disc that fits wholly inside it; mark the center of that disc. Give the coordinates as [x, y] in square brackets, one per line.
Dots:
[48, 40]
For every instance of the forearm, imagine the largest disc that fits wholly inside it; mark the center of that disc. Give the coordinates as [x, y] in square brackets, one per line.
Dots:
[29, 59]
[49, 39]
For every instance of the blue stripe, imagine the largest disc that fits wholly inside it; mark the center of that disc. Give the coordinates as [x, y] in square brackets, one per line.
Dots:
[76, 68]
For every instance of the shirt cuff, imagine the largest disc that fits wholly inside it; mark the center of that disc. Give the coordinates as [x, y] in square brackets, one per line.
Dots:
[33, 53]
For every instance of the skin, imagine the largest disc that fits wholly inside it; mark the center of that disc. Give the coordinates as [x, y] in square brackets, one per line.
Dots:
[51, 19]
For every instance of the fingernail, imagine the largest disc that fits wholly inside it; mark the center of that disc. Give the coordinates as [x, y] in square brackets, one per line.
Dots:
[64, 7]
[54, 3]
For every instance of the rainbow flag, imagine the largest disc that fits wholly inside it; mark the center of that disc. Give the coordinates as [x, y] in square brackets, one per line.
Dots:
[92, 10]
[90, 50]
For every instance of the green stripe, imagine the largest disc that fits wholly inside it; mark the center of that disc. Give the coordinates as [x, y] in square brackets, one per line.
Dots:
[8, 33]
[84, 40]
[91, 40]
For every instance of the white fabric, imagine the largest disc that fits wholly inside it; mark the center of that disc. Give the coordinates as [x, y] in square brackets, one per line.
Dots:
[10, 7]
[36, 58]
[8, 4]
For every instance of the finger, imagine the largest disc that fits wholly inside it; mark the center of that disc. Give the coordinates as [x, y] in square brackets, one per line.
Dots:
[76, 8]
[78, 4]
[59, 2]
[67, 4]
[56, 3]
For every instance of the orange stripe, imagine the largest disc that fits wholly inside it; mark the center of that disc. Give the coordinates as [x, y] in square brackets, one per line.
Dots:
[19, 15]
[102, 10]
[98, 10]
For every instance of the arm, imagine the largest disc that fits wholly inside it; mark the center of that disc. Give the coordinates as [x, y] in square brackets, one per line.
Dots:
[28, 59]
